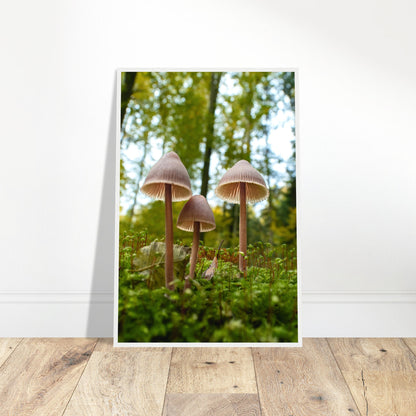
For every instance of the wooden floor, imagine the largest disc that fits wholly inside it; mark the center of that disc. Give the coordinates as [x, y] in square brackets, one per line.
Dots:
[326, 377]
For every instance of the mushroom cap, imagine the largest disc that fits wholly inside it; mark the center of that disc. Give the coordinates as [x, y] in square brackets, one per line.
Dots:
[168, 170]
[228, 188]
[196, 210]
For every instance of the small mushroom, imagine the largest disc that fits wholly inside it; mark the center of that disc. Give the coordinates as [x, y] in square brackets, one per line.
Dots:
[196, 216]
[168, 180]
[240, 184]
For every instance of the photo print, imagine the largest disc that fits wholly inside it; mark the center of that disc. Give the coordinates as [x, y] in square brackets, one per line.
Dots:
[207, 244]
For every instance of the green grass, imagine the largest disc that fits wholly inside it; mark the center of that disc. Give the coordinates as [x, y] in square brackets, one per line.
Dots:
[261, 307]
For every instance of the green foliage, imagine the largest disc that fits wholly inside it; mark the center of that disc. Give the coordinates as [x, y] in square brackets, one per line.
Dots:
[260, 307]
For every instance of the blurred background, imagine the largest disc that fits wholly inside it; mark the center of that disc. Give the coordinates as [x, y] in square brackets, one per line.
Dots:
[211, 120]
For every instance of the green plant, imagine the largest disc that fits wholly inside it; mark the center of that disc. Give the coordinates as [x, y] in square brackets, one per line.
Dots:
[262, 307]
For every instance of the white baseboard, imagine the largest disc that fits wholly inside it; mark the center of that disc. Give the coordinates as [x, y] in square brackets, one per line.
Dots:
[56, 314]
[355, 296]
[359, 313]
[48, 297]
[324, 314]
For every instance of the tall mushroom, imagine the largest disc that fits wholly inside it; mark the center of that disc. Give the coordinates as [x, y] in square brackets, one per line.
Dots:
[196, 216]
[168, 180]
[240, 184]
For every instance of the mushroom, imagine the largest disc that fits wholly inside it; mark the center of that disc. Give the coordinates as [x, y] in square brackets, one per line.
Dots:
[196, 216]
[240, 184]
[168, 180]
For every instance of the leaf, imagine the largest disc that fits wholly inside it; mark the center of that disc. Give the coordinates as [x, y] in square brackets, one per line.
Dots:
[150, 261]
[209, 273]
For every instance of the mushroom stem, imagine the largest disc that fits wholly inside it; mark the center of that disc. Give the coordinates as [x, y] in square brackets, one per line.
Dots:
[194, 254]
[168, 237]
[243, 228]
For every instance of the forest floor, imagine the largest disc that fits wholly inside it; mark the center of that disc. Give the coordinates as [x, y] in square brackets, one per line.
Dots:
[258, 307]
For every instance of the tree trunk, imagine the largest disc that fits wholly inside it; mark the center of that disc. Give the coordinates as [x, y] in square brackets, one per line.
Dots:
[168, 237]
[215, 82]
[268, 182]
[126, 92]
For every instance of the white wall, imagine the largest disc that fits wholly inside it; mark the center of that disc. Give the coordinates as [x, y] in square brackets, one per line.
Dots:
[357, 141]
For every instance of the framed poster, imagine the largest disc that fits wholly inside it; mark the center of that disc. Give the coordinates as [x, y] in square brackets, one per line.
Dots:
[206, 225]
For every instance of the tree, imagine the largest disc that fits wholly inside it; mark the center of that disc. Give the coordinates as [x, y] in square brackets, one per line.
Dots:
[206, 116]
[209, 140]
[245, 120]
[281, 212]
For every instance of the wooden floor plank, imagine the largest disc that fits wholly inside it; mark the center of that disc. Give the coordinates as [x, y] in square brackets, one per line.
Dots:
[214, 404]
[212, 370]
[302, 381]
[122, 382]
[105, 344]
[411, 343]
[373, 354]
[40, 376]
[7, 346]
[381, 374]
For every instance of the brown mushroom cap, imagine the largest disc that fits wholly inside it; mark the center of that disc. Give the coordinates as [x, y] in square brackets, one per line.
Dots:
[228, 188]
[196, 210]
[168, 170]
